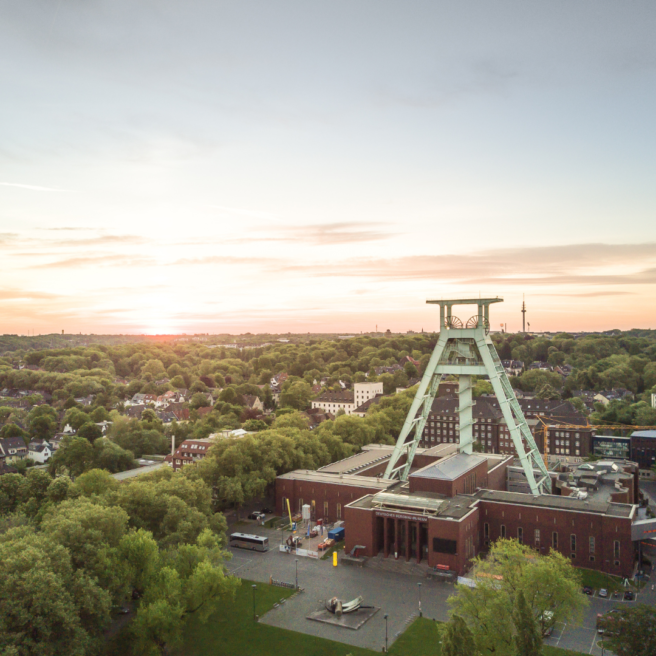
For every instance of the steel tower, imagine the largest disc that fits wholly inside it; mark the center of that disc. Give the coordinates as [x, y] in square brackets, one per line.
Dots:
[465, 351]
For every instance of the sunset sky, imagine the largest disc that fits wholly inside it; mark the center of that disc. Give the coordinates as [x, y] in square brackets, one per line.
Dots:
[206, 166]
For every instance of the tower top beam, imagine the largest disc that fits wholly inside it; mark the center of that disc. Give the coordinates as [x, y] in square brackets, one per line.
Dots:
[447, 302]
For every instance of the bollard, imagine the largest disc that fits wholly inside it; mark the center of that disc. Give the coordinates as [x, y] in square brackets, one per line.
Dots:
[334, 559]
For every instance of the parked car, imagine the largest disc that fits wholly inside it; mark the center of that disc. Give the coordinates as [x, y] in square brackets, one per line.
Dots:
[603, 592]
[629, 596]
[588, 590]
[266, 511]
[603, 621]
[256, 515]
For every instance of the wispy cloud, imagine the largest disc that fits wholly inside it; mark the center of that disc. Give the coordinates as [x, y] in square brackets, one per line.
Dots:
[574, 264]
[101, 261]
[32, 187]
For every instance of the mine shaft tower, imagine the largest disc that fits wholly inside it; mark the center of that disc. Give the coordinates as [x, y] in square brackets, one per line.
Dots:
[465, 351]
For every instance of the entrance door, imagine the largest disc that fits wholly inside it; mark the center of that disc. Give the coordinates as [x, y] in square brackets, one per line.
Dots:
[380, 535]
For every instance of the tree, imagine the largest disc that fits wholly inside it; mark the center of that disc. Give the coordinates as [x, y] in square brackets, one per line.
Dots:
[75, 455]
[528, 639]
[457, 639]
[548, 392]
[199, 400]
[550, 585]
[631, 632]
[193, 581]
[90, 431]
[297, 395]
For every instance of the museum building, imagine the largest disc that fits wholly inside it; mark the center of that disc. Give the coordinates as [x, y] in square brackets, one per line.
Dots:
[454, 504]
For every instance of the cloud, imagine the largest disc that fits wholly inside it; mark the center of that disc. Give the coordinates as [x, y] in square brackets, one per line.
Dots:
[32, 187]
[542, 265]
[105, 260]
[23, 295]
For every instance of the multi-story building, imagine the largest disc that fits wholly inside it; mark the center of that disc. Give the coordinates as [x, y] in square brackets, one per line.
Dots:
[555, 418]
[347, 400]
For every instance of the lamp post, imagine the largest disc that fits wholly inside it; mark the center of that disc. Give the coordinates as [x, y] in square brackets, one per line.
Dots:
[385, 617]
[254, 615]
[419, 585]
[297, 573]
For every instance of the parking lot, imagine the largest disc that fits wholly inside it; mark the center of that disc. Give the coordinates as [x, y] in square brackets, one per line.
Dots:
[395, 593]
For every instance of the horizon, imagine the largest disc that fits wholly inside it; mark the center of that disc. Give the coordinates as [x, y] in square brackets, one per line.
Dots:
[216, 167]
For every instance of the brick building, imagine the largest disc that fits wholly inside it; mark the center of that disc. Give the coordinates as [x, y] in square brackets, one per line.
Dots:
[491, 432]
[453, 505]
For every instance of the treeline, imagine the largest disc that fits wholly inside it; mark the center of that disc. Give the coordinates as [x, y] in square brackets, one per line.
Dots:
[73, 553]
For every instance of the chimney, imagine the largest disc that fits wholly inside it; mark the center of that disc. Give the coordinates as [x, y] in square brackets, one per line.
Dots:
[172, 444]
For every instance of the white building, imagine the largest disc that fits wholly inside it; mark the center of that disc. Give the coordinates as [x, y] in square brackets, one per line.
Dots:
[347, 400]
[39, 451]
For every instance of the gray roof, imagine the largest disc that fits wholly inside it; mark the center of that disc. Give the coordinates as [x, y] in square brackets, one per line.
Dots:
[556, 501]
[311, 475]
[451, 467]
[131, 473]
[645, 433]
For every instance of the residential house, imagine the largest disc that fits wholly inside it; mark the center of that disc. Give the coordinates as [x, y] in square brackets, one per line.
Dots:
[513, 367]
[188, 452]
[135, 411]
[86, 400]
[615, 394]
[5, 468]
[253, 402]
[39, 451]
[13, 449]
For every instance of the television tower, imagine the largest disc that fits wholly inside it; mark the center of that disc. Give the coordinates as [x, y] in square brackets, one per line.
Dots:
[523, 315]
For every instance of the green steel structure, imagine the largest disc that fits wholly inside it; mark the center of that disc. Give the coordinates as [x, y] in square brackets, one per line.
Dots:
[466, 350]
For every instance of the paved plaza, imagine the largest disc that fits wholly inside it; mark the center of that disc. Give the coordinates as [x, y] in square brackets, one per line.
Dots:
[395, 592]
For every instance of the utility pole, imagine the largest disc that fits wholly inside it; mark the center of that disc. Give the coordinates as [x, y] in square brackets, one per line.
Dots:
[523, 315]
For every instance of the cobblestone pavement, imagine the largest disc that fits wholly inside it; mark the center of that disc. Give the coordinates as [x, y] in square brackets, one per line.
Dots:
[396, 593]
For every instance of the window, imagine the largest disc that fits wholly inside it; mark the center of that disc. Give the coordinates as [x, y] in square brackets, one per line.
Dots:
[537, 537]
[503, 530]
[520, 535]
[616, 550]
[554, 540]
[325, 509]
[339, 511]
[572, 543]
[486, 531]
[592, 544]
[300, 505]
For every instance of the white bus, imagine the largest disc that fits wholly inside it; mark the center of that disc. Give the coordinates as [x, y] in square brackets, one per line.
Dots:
[245, 541]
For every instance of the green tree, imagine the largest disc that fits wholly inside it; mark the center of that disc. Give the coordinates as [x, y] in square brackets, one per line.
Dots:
[527, 639]
[74, 456]
[631, 632]
[550, 584]
[297, 395]
[90, 431]
[548, 392]
[457, 639]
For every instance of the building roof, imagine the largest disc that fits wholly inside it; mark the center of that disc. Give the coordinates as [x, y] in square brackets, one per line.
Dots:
[451, 467]
[131, 473]
[644, 433]
[310, 475]
[558, 502]
[343, 396]
[367, 404]
[360, 460]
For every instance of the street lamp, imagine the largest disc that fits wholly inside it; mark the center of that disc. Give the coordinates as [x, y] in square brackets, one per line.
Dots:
[385, 617]
[254, 615]
[297, 573]
[420, 614]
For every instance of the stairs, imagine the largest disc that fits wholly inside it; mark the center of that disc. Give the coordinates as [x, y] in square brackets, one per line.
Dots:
[399, 566]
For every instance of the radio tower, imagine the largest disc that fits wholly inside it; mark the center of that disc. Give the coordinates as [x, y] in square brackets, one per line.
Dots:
[523, 315]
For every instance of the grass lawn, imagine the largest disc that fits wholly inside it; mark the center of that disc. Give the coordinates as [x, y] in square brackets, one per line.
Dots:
[233, 631]
[597, 580]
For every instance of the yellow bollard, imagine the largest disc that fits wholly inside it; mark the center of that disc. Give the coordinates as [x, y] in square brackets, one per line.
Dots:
[334, 559]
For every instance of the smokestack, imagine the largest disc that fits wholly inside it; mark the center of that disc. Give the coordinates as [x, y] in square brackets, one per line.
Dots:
[172, 444]
[523, 315]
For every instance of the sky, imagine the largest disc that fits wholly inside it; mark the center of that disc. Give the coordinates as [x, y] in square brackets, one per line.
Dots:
[206, 166]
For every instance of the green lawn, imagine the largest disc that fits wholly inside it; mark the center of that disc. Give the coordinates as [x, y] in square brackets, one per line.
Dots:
[597, 580]
[233, 631]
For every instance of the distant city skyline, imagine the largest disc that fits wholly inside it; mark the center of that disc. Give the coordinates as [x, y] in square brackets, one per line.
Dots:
[256, 167]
